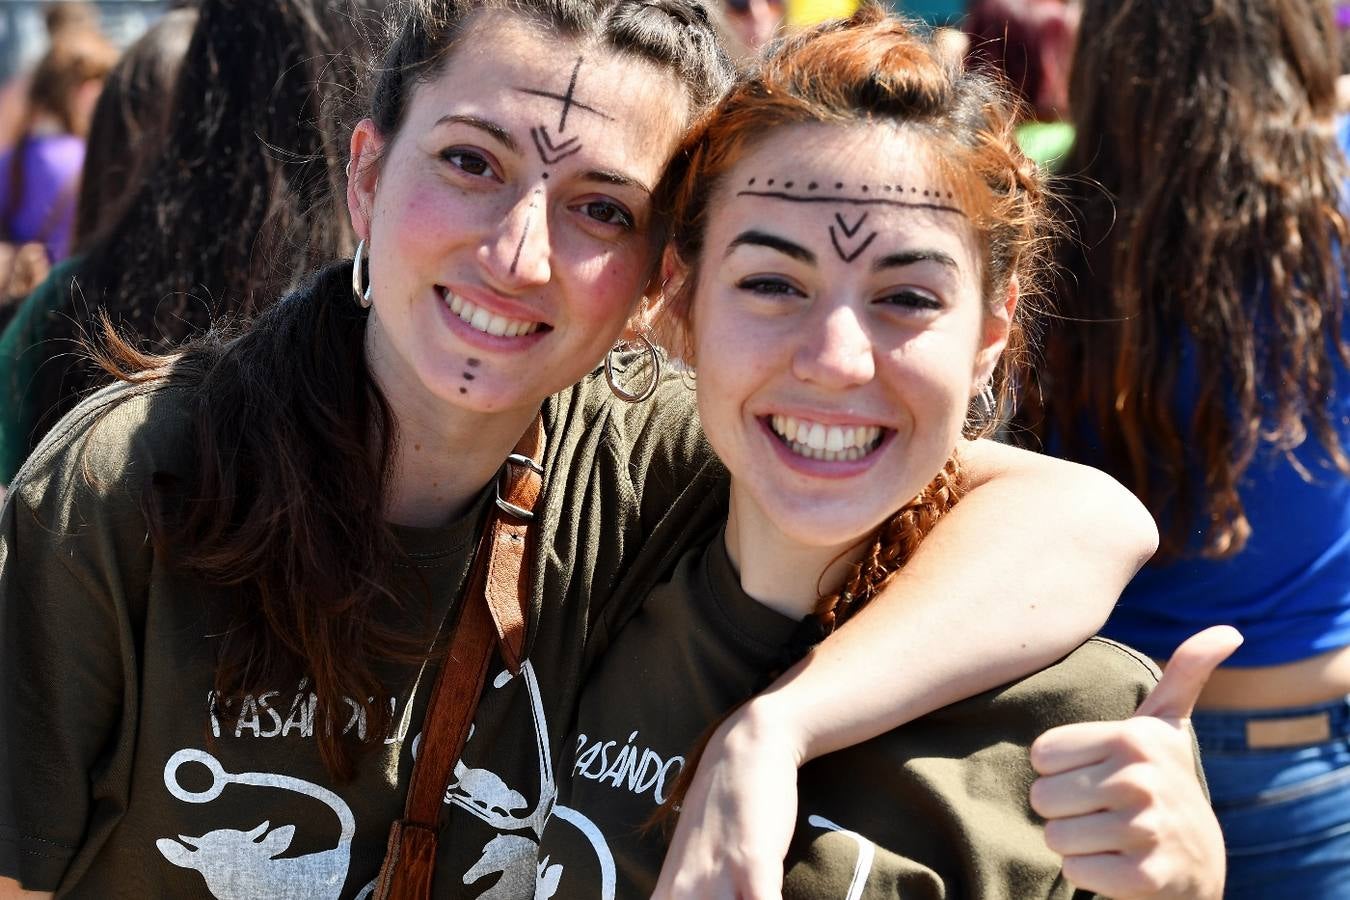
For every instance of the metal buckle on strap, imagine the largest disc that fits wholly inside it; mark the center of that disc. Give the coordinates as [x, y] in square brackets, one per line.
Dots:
[518, 459]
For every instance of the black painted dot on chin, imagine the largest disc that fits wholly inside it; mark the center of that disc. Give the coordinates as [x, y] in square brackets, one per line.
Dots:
[949, 195]
[770, 182]
[752, 181]
[864, 187]
[546, 176]
[838, 185]
[913, 190]
[788, 184]
[812, 186]
[925, 193]
[463, 390]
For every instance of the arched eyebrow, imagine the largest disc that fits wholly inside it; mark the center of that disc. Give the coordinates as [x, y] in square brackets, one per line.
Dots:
[618, 179]
[492, 128]
[773, 242]
[911, 257]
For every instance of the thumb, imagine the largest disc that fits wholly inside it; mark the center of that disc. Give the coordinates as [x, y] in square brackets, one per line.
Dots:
[1188, 670]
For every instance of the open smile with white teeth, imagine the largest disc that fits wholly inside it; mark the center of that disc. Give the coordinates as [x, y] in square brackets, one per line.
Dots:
[481, 320]
[830, 443]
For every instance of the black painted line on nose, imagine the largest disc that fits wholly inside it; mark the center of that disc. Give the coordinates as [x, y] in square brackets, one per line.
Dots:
[520, 245]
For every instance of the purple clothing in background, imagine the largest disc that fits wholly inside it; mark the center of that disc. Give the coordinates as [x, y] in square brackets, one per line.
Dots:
[51, 179]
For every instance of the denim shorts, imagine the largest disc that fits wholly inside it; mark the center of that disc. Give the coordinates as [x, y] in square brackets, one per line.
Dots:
[1285, 810]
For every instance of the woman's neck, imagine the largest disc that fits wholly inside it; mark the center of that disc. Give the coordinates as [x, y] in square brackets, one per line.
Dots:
[781, 573]
[445, 455]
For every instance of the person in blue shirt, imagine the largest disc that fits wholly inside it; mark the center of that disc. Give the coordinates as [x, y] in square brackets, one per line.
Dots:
[1202, 358]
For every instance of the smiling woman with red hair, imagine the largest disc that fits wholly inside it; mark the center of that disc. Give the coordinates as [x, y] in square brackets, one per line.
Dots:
[856, 245]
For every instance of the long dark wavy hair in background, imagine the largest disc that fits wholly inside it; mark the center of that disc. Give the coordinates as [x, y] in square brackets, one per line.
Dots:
[127, 129]
[245, 195]
[294, 439]
[1210, 236]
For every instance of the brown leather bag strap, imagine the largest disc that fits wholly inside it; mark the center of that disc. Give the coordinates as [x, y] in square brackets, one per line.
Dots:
[492, 615]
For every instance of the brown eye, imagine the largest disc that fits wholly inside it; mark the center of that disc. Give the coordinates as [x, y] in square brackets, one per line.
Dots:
[467, 161]
[607, 212]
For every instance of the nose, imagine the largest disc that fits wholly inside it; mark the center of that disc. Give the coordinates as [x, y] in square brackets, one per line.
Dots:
[836, 352]
[516, 255]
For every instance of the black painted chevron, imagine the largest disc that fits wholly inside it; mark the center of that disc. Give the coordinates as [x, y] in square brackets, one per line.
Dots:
[550, 152]
[850, 232]
[838, 248]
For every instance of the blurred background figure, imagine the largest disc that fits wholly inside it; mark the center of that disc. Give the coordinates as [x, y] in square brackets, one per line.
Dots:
[127, 129]
[753, 23]
[40, 174]
[1202, 357]
[1030, 43]
[245, 193]
[57, 18]
[125, 134]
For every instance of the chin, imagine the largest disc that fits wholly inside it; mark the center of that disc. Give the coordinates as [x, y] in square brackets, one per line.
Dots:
[836, 525]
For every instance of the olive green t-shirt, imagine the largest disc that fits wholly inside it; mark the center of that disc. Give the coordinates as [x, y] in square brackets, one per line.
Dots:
[935, 809]
[122, 775]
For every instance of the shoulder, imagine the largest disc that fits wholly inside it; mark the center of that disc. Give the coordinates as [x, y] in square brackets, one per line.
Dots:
[110, 446]
[1101, 680]
[662, 430]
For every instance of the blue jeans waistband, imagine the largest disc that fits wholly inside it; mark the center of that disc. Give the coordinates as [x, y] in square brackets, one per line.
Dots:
[1230, 730]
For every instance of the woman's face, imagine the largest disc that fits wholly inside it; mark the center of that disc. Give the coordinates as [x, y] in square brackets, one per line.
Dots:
[838, 328]
[506, 222]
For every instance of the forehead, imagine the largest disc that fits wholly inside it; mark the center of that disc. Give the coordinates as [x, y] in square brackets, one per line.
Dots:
[827, 180]
[562, 95]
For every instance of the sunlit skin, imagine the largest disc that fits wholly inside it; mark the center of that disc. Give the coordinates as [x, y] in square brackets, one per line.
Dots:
[899, 337]
[461, 205]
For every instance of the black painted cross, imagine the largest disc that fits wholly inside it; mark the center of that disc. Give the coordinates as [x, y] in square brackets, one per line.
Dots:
[550, 149]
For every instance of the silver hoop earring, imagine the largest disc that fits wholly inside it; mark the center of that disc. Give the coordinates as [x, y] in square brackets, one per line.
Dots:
[987, 405]
[646, 392]
[359, 291]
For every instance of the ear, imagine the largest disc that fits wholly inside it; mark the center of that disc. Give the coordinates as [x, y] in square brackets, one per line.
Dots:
[665, 322]
[997, 325]
[175, 853]
[278, 841]
[363, 174]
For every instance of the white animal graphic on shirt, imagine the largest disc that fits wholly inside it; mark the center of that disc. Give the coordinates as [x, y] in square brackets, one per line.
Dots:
[485, 792]
[512, 854]
[244, 864]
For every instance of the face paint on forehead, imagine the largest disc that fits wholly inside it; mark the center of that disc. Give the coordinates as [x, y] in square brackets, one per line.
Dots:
[863, 195]
[846, 235]
[849, 233]
[552, 148]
